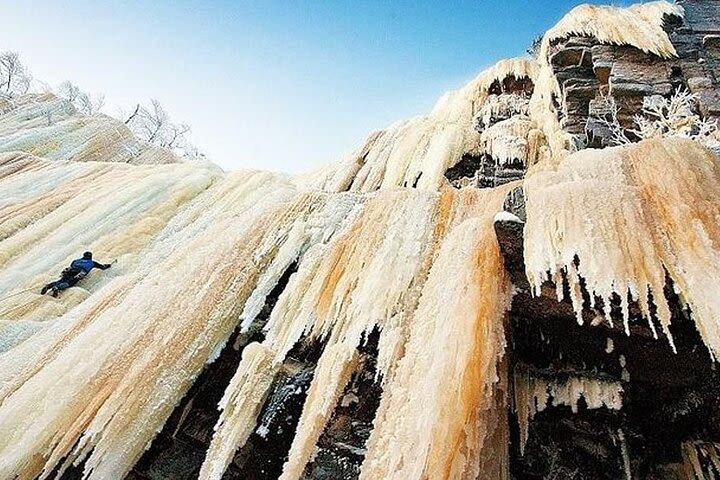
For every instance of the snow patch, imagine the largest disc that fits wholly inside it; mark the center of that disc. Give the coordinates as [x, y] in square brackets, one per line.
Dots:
[506, 217]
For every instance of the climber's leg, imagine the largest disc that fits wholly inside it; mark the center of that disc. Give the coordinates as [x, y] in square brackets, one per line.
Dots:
[49, 286]
[60, 286]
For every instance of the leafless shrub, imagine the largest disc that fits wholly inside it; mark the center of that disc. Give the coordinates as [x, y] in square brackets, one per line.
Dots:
[661, 117]
[85, 103]
[14, 77]
[153, 125]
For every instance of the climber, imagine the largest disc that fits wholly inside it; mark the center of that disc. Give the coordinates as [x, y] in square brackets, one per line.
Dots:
[78, 269]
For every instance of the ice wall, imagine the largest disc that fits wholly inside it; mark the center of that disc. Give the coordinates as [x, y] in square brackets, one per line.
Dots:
[197, 250]
[380, 242]
[389, 270]
[123, 356]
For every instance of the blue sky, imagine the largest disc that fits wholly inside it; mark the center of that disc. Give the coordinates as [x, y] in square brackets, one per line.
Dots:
[279, 85]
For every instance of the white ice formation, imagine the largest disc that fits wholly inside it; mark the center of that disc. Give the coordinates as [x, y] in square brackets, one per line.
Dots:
[380, 241]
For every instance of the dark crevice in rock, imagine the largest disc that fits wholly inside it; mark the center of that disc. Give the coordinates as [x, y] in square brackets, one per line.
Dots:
[179, 449]
[265, 452]
[417, 179]
[511, 84]
[669, 398]
[465, 168]
[483, 172]
[341, 448]
[563, 445]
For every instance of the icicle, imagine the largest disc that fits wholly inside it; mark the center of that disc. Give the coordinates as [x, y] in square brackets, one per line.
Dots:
[506, 141]
[531, 397]
[362, 279]
[628, 239]
[625, 455]
[503, 106]
[532, 394]
[690, 457]
[701, 460]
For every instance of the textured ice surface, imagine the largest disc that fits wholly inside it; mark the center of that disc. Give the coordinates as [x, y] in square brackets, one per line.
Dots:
[630, 214]
[380, 242]
[51, 127]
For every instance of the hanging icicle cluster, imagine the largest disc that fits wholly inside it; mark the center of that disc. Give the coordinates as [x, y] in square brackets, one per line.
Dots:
[533, 394]
[630, 215]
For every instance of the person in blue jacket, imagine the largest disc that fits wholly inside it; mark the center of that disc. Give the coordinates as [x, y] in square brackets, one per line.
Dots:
[78, 269]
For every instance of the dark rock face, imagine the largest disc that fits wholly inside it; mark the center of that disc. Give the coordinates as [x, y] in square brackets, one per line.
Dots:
[483, 172]
[587, 71]
[266, 450]
[669, 398]
[699, 41]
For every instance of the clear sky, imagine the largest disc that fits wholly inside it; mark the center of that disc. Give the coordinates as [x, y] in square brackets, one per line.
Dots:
[280, 85]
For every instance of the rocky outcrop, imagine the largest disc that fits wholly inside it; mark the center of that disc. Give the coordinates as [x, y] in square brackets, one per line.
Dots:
[588, 71]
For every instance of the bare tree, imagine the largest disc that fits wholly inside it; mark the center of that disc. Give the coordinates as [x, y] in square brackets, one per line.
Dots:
[534, 49]
[69, 91]
[130, 118]
[153, 125]
[14, 78]
[150, 123]
[91, 103]
[609, 119]
[86, 103]
[192, 153]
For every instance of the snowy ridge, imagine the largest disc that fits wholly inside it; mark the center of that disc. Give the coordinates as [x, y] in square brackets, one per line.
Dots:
[36, 122]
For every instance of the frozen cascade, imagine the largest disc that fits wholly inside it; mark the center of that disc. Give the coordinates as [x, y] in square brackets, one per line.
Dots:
[663, 216]
[381, 243]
